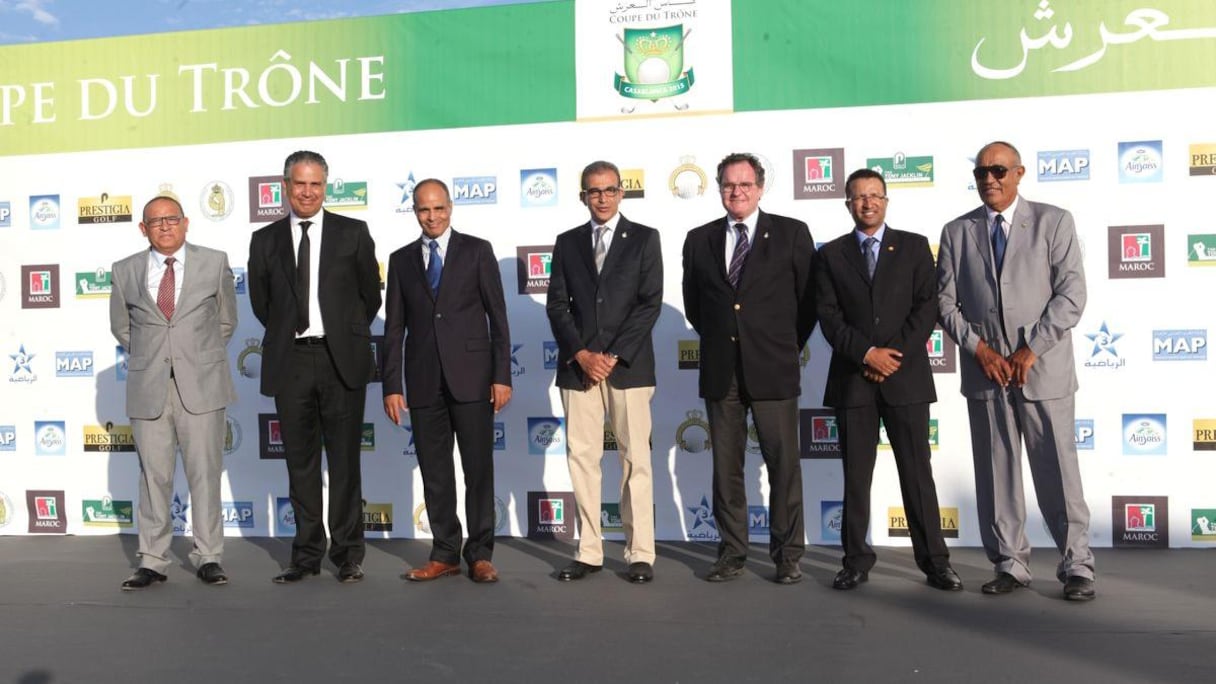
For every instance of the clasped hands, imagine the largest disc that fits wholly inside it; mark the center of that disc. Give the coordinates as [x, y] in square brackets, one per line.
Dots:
[880, 363]
[1004, 371]
[597, 366]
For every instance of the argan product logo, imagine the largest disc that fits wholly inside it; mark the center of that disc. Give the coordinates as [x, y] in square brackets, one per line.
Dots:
[1140, 162]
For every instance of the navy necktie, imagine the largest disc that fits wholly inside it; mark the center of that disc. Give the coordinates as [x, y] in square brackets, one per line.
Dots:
[738, 257]
[434, 268]
[871, 257]
[999, 240]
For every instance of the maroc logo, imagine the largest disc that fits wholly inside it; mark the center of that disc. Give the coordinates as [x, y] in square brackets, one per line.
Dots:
[216, 200]
[249, 361]
[687, 180]
[693, 434]
[654, 65]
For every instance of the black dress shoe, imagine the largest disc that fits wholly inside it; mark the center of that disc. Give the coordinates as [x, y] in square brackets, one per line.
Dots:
[788, 572]
[212, 573]
[350, 573]
[945, 579]
[294, 573]
[640, 573]
[1078, 589]
[724, 570]
[577, 570]
[1003, 584]
[142, 579]
[848, 578]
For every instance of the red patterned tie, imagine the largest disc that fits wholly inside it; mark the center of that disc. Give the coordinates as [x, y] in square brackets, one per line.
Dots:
[168, 283]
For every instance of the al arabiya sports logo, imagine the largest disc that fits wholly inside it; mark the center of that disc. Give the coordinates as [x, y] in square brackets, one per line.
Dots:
[654, 65]
[704, 527]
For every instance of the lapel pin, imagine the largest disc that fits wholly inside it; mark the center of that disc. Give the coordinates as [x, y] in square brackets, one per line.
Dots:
[766, 236]
[624, 235]
[890, 248]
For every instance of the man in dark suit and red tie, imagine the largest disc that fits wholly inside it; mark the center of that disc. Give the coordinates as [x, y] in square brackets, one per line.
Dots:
[876, 293]
[448, 352]
[749, 293]
[604, 298]
[315, 285]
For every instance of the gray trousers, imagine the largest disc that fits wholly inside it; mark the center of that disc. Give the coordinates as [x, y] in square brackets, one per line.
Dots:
[998, 429]
[201, 438]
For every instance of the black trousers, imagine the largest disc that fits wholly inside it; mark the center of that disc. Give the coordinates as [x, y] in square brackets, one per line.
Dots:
[777, 427]
[437, 428]
[908, 431]
[313, 406]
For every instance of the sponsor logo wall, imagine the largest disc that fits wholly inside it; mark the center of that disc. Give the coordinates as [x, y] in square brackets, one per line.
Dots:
[665, 114]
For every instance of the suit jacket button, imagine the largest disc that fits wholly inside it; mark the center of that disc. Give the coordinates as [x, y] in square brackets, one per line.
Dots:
[738, 306]
[876, 320]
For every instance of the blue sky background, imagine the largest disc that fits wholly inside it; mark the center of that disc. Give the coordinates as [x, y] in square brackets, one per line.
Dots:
[34, 21]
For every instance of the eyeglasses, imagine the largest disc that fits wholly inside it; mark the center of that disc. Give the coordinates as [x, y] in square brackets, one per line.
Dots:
[862, 199]
[745, 188]
[596, 193]
[171, 221]
[998, 171]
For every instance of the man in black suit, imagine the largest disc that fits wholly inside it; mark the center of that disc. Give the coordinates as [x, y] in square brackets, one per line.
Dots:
[446, 323]
[315, 286]
[749, 293]
[877, 299]
[605, 293]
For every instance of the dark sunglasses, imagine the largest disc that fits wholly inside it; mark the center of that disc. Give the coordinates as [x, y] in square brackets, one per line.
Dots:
[998, 172]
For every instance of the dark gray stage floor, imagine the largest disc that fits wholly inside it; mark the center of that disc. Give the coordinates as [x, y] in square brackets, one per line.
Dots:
[65, 620]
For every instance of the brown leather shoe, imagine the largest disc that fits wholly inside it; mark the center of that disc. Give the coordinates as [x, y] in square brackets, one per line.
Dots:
[431, 571]
[483, 572]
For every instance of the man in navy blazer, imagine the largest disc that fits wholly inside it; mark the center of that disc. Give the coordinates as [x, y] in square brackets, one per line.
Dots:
[877, 300]
[605, 294]
[315, 285]
[448, 351]
[749, 293]
[1011, 287]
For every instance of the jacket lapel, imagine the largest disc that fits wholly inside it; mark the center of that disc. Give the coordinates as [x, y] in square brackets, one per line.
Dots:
[286, 254]
[982, 232]
[717, 247]
[140, 277]
[584, 248]
[619, 244]
[854, 257]
[758, 250]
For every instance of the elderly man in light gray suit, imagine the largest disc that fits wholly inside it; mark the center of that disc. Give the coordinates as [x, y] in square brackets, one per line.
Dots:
[1011, 287]
[173, 308]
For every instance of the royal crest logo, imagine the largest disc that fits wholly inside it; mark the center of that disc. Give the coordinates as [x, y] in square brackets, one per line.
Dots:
[6, 510]
[232, 435]
[687, 180]
[692, 436]
[654, 64]
[422, 522]
[216, 200]
[249, 361]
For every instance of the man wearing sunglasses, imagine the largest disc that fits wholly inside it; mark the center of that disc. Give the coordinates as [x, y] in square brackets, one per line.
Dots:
[1011, 286]
[604, 297]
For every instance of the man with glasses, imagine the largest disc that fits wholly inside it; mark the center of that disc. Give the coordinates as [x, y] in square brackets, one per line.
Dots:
[605, 294]
[749, 293]
[173, 308]
[877, 303]
[1011, 286]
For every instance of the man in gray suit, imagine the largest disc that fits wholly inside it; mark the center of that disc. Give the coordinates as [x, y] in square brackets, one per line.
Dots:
[1011, 287]
[173, 308]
